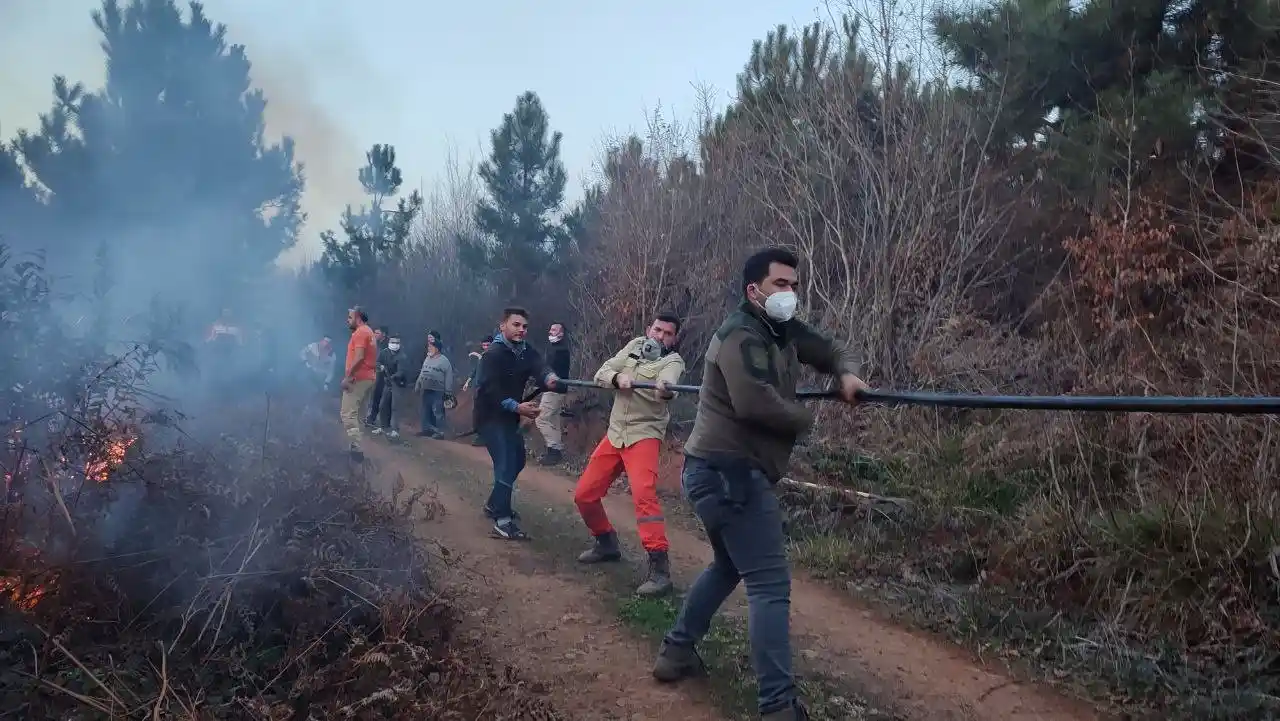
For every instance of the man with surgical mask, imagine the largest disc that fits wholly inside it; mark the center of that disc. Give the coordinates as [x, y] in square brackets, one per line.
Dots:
[633, 443]
[380, 382]
[550, 423]
[393, 365]
[747, 425]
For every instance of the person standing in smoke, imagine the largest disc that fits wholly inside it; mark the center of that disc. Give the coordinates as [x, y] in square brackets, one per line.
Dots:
[435, 381]
[380, 383]
[550, 423]
[393, 367]
[637, 425]
[357, 379]
[321, 361]
[505, 369]
[223, 342]
[475, 357]
[746, 428]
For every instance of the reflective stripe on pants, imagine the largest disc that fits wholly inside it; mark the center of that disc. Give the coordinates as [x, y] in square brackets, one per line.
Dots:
[640, 461]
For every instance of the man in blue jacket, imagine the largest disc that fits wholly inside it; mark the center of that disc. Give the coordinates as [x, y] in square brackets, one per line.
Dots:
[505, 369]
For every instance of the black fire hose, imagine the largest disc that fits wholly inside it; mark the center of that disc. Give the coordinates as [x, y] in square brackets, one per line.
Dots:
[1218, 405]
[1229, 405]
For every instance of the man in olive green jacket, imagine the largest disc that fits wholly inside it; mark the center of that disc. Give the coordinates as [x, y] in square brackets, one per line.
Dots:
[637, 425]
[747, 424]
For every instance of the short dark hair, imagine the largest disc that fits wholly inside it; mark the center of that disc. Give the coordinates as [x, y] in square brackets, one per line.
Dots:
[671, 318]
[433, 334]
[385, 330]
[487, 339]
[756, 268]
[360, 312]
[514, 310]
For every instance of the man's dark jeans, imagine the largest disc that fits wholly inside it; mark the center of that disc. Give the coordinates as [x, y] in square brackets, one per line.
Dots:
[390, 405]
[506, 448]
[432, 412]
[379, 384]
[740, 512]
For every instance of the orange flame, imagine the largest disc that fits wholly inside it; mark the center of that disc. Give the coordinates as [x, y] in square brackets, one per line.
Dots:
[99, 469]
[23, 596]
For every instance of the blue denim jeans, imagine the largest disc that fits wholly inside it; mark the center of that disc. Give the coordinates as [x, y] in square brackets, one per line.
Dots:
[743, 519]
[432, 411]
[506, 447]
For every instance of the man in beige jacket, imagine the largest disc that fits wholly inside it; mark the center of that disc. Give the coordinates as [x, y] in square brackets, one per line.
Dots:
[637, 425]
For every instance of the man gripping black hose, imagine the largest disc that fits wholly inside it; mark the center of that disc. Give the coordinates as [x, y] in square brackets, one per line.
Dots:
[747, 425]
[505, 369]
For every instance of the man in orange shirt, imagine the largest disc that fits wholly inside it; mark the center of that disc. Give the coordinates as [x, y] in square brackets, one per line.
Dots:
[357, 382]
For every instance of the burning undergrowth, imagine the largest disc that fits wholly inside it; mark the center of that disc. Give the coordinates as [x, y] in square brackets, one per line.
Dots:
[252, 576]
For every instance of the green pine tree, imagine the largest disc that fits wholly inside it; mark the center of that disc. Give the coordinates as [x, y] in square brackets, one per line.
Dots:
[522, 232]
[167, 162]
[373, 236]
[1104, 86]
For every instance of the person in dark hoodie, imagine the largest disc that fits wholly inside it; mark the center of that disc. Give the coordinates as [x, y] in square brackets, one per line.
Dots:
[393, 365]
[475, 357]
[550, 423]
[505, 369]
[380, 337]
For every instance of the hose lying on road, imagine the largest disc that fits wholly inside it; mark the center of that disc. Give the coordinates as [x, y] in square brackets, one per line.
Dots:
[1228, 405]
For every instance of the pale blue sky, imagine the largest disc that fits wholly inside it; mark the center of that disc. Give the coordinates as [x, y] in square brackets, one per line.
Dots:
[428, 77]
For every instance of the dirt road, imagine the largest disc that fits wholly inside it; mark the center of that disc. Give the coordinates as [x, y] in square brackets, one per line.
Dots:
[917, 676]
[565, 639]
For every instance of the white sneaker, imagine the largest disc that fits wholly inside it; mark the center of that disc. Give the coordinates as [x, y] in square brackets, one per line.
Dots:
[376, 431]
[393, 434]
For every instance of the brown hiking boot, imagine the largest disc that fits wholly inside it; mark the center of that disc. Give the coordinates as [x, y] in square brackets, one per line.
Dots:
[797, 712]
[603, 550]
[659, 581]
[677, 662]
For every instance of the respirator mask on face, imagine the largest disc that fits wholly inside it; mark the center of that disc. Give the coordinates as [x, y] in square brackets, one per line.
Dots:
[553, 339]
[781, 306]
[393, 346]
[651, 350]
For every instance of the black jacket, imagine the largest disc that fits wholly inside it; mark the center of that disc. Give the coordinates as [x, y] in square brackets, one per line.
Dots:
[500, 382]
[393, 366]
[558, 356]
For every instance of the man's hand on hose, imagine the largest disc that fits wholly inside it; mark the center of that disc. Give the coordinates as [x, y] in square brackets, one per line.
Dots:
[528, 409]
[623, 381]
[663, 385]
[849, 387]
[551, 382]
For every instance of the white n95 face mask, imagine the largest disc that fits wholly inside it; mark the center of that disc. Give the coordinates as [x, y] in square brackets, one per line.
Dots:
[781, 306]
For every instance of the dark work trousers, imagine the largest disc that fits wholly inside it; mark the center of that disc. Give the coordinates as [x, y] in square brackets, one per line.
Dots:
[392, 403]
[743, 519]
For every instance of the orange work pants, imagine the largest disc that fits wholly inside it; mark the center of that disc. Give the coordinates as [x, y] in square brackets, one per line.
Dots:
[640, 461]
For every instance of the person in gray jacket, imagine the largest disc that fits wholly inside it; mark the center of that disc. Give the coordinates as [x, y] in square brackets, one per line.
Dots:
[435, 380]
